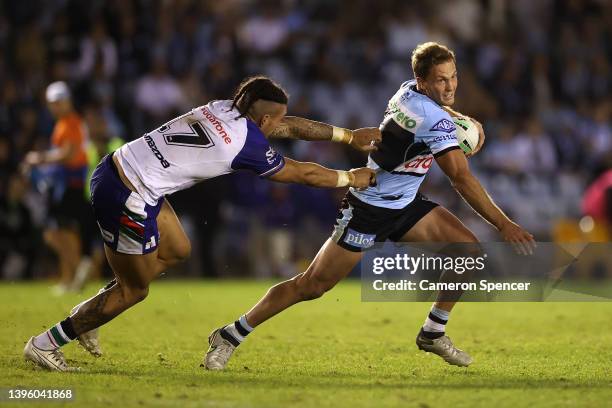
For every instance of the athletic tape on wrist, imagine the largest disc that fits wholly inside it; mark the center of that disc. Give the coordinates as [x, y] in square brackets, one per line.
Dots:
[341, 135]
[344, 178]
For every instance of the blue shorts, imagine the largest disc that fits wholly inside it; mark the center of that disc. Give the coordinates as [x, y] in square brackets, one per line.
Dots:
[127, 223]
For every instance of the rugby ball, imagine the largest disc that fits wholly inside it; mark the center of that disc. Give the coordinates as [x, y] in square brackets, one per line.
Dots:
[467, 134]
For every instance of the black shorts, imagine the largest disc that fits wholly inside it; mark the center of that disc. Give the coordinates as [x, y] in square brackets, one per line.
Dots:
[359, 225]
[71, 209]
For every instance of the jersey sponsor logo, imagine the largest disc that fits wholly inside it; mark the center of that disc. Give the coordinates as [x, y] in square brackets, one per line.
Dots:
[418, 164]
[156, 151]
[400, 117]
[442, 138]
[270, 155]
[216, 123]
[359, 239]
[443, 125]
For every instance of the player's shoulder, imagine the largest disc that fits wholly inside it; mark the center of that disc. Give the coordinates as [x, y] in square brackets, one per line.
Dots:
[437, 120]
[432, 117]
[416, 112]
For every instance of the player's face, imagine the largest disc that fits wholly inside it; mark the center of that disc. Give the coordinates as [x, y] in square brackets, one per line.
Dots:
[272, 118]
[441, 83]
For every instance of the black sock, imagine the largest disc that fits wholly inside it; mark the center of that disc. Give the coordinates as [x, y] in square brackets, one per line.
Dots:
[68, 328]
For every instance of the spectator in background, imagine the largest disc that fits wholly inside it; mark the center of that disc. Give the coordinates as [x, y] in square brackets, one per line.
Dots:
[101, 143]
[265, 32]
[158, 94]
[597, 201]
[519, 58]
[533, 149]
[68, 206]
[18, 241]
[97, 49]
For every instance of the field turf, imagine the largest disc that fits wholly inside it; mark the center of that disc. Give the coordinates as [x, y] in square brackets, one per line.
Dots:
[333, 352]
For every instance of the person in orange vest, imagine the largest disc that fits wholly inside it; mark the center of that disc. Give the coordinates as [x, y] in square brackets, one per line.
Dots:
[68, 205]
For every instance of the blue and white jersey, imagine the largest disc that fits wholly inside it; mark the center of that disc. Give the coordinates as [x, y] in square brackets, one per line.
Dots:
[207, 142]
[415, 129]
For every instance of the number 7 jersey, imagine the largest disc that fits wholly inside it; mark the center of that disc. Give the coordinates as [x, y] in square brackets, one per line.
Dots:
[207, 142]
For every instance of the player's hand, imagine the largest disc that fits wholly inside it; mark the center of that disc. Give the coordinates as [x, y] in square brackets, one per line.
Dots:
[33, 159]
[521, 240]
[481, 137]
[363, 178]
[366, 139]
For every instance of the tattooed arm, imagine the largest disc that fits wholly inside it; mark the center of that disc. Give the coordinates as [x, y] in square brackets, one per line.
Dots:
[294, 127]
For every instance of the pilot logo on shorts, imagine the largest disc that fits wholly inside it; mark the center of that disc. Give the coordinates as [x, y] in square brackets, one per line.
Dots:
[359, 239]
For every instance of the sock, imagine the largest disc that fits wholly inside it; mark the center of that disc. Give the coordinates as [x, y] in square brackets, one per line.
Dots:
[57, 336]
[435, 324]
[237, 331]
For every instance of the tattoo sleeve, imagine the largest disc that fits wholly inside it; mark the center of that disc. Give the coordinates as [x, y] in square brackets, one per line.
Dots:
[294, 127]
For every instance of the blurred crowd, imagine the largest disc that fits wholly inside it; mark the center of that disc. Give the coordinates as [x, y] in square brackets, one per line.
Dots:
[535, 73]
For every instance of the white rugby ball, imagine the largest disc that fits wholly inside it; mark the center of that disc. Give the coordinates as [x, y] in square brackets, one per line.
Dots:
[467, 134]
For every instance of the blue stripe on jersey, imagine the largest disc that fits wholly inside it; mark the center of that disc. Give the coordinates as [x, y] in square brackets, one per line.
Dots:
[257, 155]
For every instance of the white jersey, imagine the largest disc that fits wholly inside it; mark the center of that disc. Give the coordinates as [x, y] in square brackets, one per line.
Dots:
[206, 142]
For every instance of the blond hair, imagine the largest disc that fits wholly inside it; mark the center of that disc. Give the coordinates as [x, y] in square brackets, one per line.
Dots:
[428, 54]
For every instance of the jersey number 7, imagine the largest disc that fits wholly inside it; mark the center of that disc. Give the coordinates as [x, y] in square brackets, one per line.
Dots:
[198, 137]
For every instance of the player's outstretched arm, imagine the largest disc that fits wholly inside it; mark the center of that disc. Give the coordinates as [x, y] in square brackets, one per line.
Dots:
[455, 166]
[315, 175]
[364, 139]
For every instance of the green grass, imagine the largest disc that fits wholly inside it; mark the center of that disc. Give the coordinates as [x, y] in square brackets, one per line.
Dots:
[333, 352]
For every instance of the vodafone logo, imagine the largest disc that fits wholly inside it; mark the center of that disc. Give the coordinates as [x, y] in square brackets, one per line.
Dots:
[418, 164]
[217, 125]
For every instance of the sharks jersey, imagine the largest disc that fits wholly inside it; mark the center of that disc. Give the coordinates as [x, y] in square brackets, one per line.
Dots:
[415, 130]
[206, 142]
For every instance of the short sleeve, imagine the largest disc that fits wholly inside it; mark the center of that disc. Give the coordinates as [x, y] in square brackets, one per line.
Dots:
[257, 155]
[64, 133]
[439, 134]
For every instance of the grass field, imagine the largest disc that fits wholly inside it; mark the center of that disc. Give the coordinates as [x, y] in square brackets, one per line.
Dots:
[333, 352]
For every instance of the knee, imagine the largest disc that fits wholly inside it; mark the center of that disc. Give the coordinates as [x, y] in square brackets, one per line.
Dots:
[180, 253]
[184, 251]
[312, 288]
[135, 294]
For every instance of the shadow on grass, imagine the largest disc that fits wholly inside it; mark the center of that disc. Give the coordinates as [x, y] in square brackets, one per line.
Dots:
[455, 378]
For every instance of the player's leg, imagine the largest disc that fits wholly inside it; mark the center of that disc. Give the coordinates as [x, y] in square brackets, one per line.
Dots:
[439, 225]
[65, 244]
[358, 226]
[332, 264]
[132, 236]
[131, 285]
[174, 246]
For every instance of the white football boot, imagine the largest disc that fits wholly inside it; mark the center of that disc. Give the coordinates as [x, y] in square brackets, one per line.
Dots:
[443, 346]
[220, 350]
[48, 359]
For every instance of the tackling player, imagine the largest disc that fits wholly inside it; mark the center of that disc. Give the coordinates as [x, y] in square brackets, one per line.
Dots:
[141, 232]
[416, 129]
